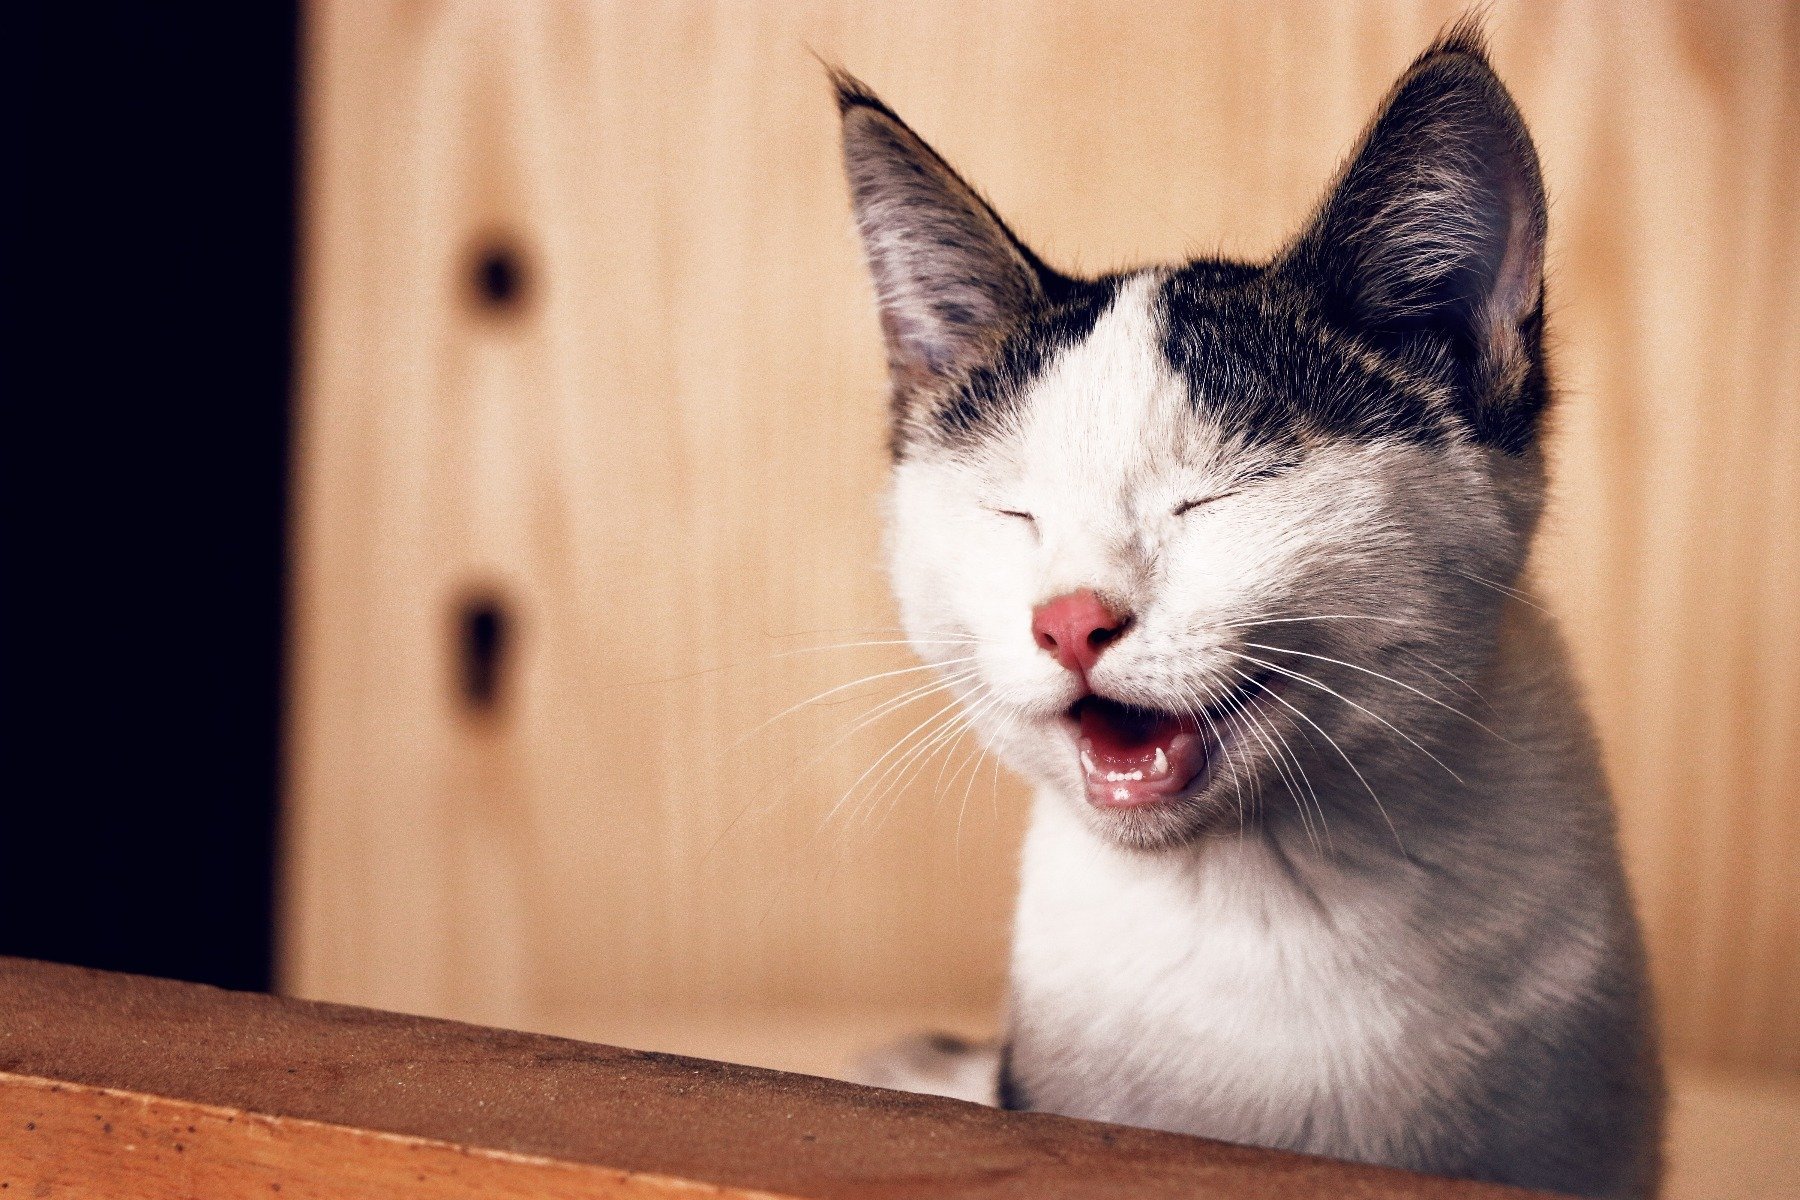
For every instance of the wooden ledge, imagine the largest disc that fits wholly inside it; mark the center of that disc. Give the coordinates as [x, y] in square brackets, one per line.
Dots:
[115, 1084]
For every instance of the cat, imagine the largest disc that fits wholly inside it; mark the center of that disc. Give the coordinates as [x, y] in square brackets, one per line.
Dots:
[1225, 559]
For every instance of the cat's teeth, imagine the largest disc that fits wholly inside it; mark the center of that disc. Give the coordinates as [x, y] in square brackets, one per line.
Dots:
[1134, 776]
[1161, 765]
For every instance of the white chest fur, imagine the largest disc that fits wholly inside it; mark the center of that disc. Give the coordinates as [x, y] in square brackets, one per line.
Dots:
[1216, 994]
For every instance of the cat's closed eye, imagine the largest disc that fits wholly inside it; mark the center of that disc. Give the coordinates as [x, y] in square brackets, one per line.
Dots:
[1188, 506]
[1009, 512]
[1266, 471]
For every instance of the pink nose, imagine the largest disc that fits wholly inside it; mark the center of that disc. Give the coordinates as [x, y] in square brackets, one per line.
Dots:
[1075, 628]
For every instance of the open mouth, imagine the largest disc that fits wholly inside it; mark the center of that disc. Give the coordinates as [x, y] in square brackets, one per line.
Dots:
[1133, 756]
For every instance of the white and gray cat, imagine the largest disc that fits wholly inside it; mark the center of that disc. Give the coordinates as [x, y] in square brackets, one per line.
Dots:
[1321, 856]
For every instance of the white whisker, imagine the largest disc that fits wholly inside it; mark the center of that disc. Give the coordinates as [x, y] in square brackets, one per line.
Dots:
[1390, 679]
[842, 687]
[893, 704]
[1328, 690]
[898, 743]
[1254, 621]
[1196, 706]
[1379, 807]
[883, 642]
[1503, 589]
[895, 777]
[1241, 718]
[1317, 804]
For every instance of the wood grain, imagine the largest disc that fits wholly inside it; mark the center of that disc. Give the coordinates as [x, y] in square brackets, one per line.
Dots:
[103, 1143]
[664, 456]
[114, 1085]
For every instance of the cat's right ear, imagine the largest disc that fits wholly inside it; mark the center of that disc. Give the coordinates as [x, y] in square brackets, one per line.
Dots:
[1433, 237]
[950, 277]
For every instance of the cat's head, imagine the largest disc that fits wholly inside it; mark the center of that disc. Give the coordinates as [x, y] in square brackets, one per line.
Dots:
[1191, 540]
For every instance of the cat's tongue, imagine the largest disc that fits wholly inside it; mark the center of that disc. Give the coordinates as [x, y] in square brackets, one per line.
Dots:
[1134, 756]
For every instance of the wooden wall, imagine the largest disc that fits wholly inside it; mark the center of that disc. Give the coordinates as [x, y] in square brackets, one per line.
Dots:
[588, 353]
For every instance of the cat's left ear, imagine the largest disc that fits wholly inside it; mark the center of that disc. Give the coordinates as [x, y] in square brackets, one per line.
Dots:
[1436, 229]
[950, 278]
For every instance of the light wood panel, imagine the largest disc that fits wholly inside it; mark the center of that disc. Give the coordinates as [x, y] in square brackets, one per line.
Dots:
[664, 457]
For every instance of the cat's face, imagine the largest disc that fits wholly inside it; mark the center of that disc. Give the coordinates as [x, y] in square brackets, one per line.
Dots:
[1189, 540]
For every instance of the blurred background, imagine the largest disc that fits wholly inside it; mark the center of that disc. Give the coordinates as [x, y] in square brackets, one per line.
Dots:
[454, 438]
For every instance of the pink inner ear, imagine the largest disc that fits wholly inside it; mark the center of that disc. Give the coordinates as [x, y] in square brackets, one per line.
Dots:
[1438, 219]
[949, 275]
[918, 351]
[1519, 280]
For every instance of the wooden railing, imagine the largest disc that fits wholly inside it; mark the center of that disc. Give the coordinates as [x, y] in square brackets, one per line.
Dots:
[121, 1086]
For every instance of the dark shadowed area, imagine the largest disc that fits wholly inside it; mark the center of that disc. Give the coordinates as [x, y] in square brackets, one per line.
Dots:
[150, 272]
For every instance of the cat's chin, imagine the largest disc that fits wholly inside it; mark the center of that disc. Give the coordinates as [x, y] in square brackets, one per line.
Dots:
[1164, 826]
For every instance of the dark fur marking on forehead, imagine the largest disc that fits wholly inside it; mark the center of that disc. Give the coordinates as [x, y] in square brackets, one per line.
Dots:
[993, 390]
[1271, 372]
[1410, 307]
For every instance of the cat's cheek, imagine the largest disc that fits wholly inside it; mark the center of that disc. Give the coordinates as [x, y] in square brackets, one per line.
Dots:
[1221, 572]
[979, 573]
